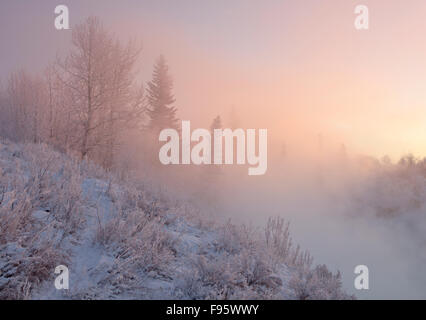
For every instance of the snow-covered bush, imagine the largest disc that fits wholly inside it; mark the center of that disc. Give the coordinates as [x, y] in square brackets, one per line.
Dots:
[241, 265]
[317, 284]
[39, 207]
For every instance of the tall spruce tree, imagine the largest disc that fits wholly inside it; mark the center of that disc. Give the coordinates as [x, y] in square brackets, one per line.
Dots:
[160, 98]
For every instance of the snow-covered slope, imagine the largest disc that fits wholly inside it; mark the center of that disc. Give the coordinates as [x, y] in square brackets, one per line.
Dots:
[121, 241]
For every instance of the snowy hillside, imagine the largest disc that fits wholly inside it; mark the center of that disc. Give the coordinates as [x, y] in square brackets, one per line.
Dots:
[120, 241]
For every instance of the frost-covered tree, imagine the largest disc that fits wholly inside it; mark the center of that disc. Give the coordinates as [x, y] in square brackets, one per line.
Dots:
[98, 78]
[58, 114]
[26, 100]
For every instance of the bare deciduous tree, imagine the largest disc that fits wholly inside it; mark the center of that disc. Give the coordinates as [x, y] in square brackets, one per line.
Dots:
[25, 106]
[98, 77]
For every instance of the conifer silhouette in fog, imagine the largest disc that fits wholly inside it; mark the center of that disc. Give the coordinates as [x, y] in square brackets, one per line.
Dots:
[160, 98]
[216, 124]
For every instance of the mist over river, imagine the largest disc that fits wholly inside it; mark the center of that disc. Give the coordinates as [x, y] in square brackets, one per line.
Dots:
[329, 220]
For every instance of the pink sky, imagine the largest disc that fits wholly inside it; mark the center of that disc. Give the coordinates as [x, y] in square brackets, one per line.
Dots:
[297, 68]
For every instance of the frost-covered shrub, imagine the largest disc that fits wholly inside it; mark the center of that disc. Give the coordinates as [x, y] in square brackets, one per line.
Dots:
[280, 245]
[54, 185]
[240, 276]
[149, 248]
[229, 240]
[317, 284]
[217, 275]
[139, 236]
[23, 269]
[255, 269]
[39, 206]
[277, 236]
[237, 268]
[189, 287]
